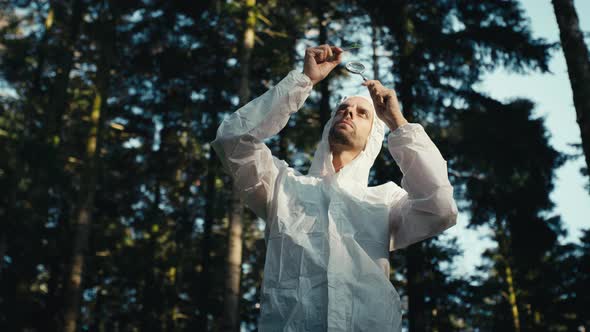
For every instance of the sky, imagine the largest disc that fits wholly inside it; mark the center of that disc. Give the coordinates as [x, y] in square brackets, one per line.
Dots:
[554, 102]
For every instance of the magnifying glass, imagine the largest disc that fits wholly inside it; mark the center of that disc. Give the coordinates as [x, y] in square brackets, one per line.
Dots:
[356, 68]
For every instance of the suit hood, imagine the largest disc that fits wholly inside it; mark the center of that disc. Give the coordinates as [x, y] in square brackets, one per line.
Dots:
[357, 170]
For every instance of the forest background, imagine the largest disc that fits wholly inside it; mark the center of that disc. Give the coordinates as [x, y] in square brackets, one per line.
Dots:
[117, 216]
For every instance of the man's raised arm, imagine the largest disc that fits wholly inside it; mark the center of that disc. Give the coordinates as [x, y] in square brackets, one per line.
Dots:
[239, 141]
[424, 206]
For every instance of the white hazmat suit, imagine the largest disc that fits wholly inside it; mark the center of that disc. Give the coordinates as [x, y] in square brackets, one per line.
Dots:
[328, 234]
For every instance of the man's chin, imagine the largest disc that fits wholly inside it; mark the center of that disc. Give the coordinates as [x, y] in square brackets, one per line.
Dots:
[344, 129]
[341, 136]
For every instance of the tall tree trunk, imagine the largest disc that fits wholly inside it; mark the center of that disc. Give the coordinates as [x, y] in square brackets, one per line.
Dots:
[55, 108]
[88, 182]
[381, 173]
[325, 83]
[233, 270]
[210, 195]
[209, 220]
[204, 284]
[512, 297]
[231, 321]
[415, 282]
[414, 254]
[375, 48]
[504, 251]
[83, 219]
[49, 134]
[578, 65]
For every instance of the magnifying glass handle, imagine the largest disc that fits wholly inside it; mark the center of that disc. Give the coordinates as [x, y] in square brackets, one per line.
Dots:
[364, 78]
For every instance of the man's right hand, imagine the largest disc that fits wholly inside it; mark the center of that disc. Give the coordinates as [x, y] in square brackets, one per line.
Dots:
[319, 61]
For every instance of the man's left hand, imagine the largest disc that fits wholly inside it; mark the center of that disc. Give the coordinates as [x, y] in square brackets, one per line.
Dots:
[386, 104]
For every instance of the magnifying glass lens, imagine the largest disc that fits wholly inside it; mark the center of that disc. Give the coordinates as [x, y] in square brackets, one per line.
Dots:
[355, 67]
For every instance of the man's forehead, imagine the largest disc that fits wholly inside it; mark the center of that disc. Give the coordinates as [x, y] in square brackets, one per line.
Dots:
[359, 101]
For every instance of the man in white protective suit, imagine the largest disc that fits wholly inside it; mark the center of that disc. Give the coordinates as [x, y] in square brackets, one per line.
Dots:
[328, 234]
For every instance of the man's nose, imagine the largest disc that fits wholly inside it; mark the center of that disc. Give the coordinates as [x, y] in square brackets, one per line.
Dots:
[350, 111]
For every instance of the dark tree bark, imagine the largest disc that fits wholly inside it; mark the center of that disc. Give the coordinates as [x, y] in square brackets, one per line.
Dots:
[375, 46]
[510, 294]
[231, 321]
[51, 136]
[578, 65]
[414, 253]
[325, 83]
[210, 195]
[85, 206]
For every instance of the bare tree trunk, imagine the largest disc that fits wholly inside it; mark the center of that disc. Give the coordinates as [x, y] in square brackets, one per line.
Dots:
[512, 297]
[211, 195]
[415, 276]
[54, 110]
[503, 248]
[49, 136]
[578, 65]
[375, 48]
[233, 271]
[414, 253]
[204, 283]
[231, 321]
[382, 174]
[83, 222]
[325, 83]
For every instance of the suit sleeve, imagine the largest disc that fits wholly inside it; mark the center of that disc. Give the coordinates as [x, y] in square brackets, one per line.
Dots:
[239, 141]
[424, 206]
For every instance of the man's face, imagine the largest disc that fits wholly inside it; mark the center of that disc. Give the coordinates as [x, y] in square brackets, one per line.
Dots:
[352, 124]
